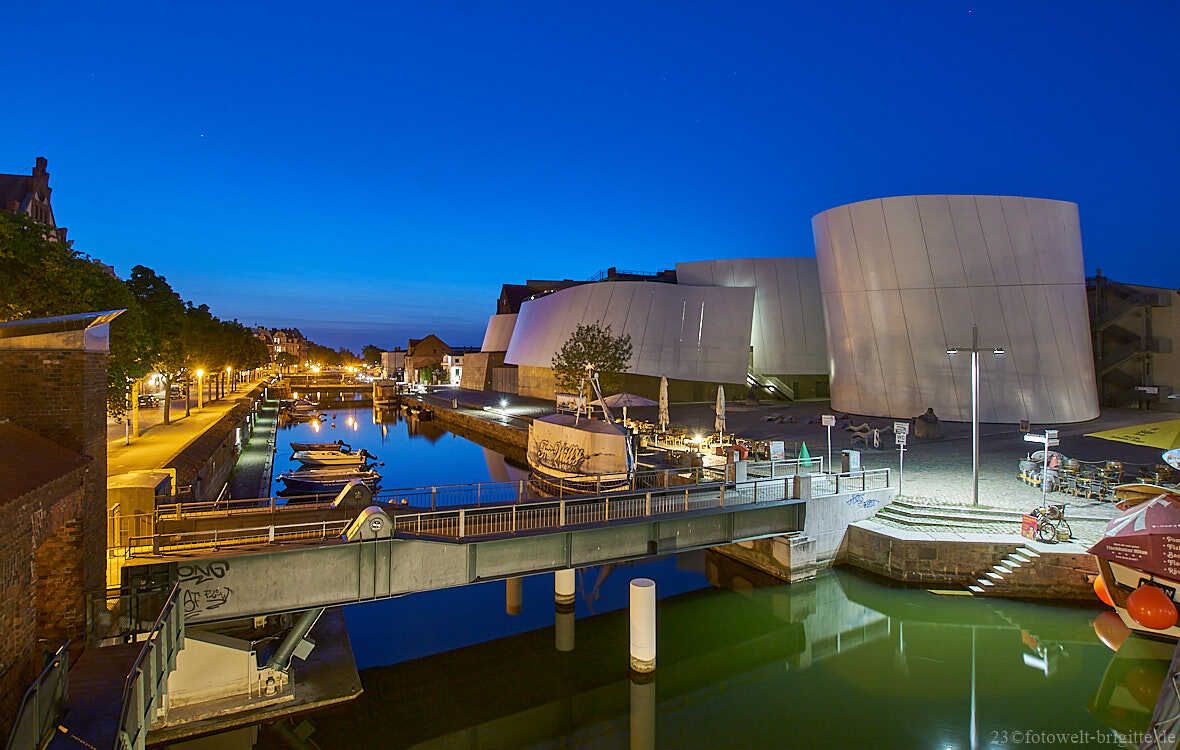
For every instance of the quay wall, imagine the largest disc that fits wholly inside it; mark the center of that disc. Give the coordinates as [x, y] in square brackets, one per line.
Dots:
[207, 462]
[460, 422]
[958, 563]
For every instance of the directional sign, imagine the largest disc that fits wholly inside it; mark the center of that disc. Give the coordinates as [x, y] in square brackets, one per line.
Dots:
[901, 428]
[828, 420]
[899, 438]
[1051, 435]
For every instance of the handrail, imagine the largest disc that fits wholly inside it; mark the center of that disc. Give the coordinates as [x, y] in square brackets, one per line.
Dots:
[158, 656]
[495, 492]
[36, 719]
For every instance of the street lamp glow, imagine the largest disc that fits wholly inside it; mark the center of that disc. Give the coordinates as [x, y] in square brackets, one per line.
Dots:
[503, 403]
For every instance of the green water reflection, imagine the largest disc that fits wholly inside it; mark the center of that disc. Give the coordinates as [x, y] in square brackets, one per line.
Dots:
[843, 661]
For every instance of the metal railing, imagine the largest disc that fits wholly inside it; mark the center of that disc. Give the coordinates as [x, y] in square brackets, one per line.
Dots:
[555, 514]
[42, 705]
[488, 515]
[489, 493]
[826, 485]
[148, 677]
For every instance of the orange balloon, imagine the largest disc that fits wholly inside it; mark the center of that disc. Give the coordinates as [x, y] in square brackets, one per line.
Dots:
[1151, 607]
[1102, 592]
[1111, 629]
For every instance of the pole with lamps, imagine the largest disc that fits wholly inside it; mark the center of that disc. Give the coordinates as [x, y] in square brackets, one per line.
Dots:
[200, 389]
[229, 375]
[975, 349]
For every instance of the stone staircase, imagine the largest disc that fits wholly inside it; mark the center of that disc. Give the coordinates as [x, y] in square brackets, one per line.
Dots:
[911, 513]
[1010, 566]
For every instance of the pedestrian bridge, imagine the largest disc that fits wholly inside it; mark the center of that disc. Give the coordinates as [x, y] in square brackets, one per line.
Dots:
[317, 555]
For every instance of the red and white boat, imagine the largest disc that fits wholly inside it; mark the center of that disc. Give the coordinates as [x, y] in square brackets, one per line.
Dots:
[1139, 565]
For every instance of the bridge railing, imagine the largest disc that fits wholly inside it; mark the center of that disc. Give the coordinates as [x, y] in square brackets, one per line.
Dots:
[554, 514]
[538, 515]
[148, 677]
[42, 705]
[479, 494]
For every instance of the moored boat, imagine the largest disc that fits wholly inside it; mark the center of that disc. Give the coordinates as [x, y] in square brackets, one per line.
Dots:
[1139, 566]
[568, 455]
[326, 480]
[332, 458]
[339, 445]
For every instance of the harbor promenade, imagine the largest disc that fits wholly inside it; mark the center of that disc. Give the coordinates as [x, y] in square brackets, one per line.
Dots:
[159, 445]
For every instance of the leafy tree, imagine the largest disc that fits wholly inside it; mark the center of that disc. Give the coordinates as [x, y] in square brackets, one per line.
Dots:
[591, 344]
[371, 354]
[164, 322]
[40, 277]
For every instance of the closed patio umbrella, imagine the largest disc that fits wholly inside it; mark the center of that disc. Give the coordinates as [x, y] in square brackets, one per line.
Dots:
[719, 413]
[664, 404]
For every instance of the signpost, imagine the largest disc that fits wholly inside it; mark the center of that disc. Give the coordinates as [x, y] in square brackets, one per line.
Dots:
[1049, 439]
[901, 432]
[829, 420]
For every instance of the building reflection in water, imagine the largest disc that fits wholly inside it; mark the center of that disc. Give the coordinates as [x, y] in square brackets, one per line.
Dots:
[752, 662]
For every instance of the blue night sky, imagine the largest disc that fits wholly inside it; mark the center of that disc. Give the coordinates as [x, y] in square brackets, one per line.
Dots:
[372, 173]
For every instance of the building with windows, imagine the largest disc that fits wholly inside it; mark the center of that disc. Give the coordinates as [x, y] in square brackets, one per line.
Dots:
[30, 195]
[284, 341]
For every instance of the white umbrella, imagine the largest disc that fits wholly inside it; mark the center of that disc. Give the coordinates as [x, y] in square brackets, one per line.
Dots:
[623, 400]
[664, 420]
[719, 412]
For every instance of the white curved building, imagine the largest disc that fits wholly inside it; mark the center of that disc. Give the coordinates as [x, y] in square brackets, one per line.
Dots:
[787, 331]
[903, 279]
[682, 332]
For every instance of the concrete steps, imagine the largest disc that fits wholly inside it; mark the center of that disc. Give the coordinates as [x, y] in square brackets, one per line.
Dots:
[1012, 564]
[910, 513]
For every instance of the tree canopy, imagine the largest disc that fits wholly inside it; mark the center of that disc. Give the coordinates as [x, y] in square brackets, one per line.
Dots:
[371, 354]
[591, 344]
[159, 332]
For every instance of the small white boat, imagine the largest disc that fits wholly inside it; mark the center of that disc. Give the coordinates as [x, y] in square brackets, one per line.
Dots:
[303, 404]
[326, 480]
[339, 445]
[332, 458]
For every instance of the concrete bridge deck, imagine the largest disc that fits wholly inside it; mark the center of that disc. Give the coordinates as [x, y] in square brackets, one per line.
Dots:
[244, 571]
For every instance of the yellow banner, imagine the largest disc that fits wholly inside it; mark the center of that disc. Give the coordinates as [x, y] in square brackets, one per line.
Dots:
[1163, 435]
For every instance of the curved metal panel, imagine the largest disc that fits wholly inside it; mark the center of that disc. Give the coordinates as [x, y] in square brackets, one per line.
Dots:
[683, 332]
[498, 333]
[787, 331]
[905, 278]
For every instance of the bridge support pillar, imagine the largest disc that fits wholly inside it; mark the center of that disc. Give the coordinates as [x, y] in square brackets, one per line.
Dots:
[296, 643]
[513, 596]
[564, 587]
[643, 626]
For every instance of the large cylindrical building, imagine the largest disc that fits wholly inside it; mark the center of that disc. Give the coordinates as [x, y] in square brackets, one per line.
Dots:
[904, 279]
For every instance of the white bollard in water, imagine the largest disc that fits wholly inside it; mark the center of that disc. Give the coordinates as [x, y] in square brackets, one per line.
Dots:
[512, 596]
[643, 625]
[564, 586]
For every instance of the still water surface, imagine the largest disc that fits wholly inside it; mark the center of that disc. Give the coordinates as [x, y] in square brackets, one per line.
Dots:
[743, 661]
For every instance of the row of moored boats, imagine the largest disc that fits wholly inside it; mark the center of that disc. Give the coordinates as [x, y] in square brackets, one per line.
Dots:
[328, 467]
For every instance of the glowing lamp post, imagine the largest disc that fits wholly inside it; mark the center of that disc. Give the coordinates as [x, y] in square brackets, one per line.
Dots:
[975, 349]
[200, 390]
[229, 372]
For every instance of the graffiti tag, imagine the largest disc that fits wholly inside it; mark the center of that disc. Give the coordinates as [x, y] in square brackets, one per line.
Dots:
[558, 454]
[206, 599]
[197, 574]
[860, 501]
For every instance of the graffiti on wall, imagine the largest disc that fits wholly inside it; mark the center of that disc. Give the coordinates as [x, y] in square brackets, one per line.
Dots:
[203, 586]
[558, 454]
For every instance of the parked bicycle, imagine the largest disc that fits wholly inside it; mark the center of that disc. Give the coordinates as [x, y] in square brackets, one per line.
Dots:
[1052, 527]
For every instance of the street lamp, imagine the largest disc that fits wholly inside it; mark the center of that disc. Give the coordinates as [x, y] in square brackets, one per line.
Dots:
[200, 392]
[229, 371]
[975, 349]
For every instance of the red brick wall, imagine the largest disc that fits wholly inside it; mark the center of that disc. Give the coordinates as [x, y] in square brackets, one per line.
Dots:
[61, 395]
[41, 572]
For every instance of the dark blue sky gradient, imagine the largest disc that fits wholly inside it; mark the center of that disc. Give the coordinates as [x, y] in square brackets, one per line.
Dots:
[372, 173]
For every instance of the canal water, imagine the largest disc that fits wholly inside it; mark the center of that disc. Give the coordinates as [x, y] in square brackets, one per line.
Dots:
[743, 660]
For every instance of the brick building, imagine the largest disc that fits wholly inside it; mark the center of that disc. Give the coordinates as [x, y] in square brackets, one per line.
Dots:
[29, 194]
[284, 341]
[53, 539]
